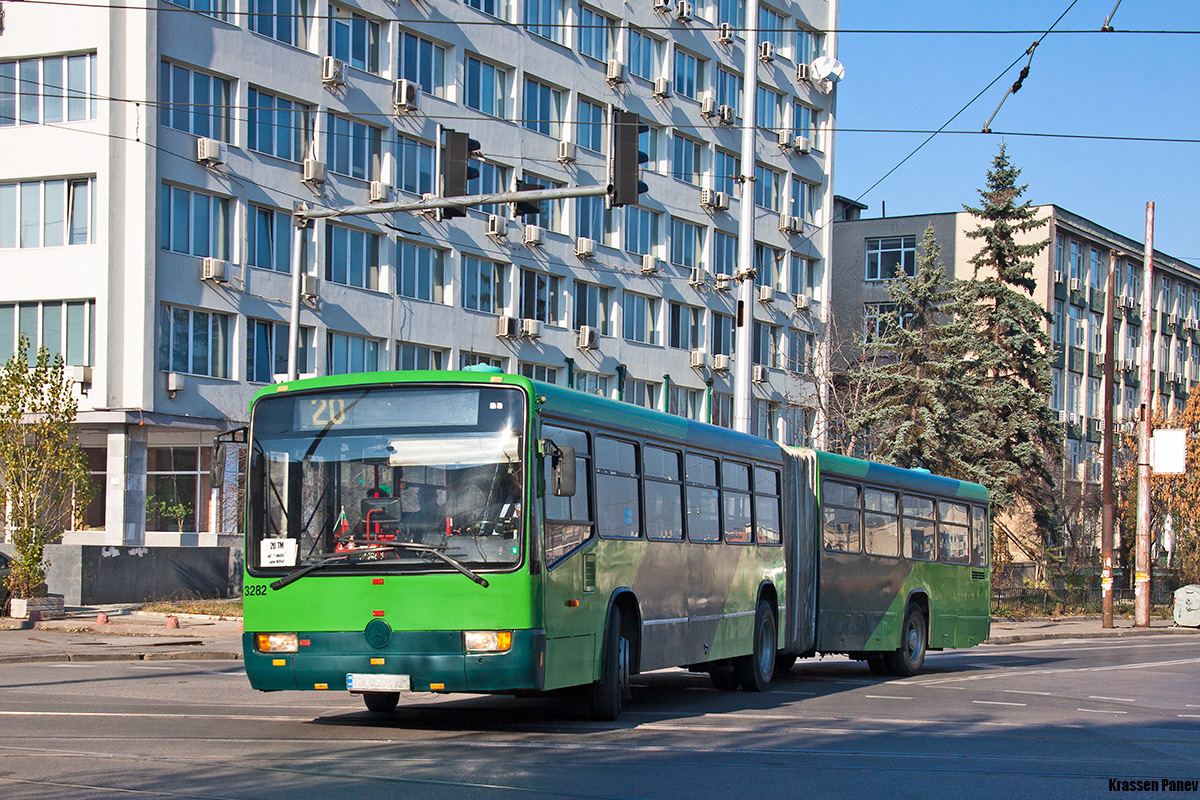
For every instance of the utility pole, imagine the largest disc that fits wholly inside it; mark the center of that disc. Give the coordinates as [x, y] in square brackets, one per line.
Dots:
[1106, 530]
[1141, 586]
[743, 357]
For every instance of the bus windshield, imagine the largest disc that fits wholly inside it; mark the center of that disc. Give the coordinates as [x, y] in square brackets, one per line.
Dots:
[337, 471]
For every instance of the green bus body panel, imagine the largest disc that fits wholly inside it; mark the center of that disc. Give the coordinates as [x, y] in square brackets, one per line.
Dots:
[863, 597]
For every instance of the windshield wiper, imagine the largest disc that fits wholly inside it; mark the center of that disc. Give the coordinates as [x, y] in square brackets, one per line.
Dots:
[381, 547]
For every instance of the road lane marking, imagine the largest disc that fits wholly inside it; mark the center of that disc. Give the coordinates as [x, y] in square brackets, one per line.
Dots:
[1114, 699]
[887, 697]
[1028, 691]
[1189, 716]
[1100, 711]
[997, 703]
[1018, 673]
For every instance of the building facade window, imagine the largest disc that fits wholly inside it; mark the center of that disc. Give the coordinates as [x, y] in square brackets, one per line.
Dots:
[722, 410]
[486, 87]
[282, 20]
[593, 307]
[591, 383]
[804, 200]
[496, 8]
[468, 359]
[731, 11]
[724, 253]
[193, 101]
[689, 74]
[539, 372]
[766, 345]
[800, 350]
[46, 213]
[877, 317]
[729, 90]
[354, 38]
[63, 327]
[642, 230]
[541, 297]
[419, 356]
[768, 111]
[550, 212]
[483, 285]
[177, 488]
[685, 402]
[1075, 326]
[722, 334]
[686, 326]
[194, 342]
[727, 168]
[645, 54]
[346, 353]
[545, 18]
[597, 33]
[277, 126]
[194, 223]
[810, 45]
[49, 90]
[353, 148]
[267, 350]
[213, 8]
[802, 277]
[803, 123]
[423, 62]
[642, 393]
[770, 28]
[414, 166]
[421, 272]
[269, 239]
[543, 108]
[890, 257]
[1076, 262]
[492, 178]
[768, 187]
[767, 266]
[685, 159]
[1060, 323]
[641, 318]
[686, 243]
[593, 220]
[1095, 269]
[351, 256]
[590, 125]
[1056, 389]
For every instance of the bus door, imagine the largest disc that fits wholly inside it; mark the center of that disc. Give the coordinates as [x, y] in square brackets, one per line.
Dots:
[573, 611]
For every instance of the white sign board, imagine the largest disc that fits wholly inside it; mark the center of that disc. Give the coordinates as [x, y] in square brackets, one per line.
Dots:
[1168, 451]
[277, 553]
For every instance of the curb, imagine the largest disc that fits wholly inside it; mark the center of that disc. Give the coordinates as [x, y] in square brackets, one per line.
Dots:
[174, 655]
[1016, 638]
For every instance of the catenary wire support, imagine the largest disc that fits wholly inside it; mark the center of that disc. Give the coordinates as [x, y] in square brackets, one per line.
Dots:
[1016, 87]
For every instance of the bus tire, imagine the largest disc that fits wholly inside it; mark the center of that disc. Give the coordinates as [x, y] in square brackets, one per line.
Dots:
[756, 670]
[914, 637]
[784, 664]
[381, 702]
[607, 694]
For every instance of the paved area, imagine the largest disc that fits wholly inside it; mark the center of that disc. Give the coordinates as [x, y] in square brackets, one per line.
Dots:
[133, 635]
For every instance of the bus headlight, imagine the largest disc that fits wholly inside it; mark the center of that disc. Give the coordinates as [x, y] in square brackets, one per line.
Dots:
[487, 641]
[276, 642]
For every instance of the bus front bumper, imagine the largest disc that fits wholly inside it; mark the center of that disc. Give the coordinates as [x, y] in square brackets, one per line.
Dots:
[434, 661]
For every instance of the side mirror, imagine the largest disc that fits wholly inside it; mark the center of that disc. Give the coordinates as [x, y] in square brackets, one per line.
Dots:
[562, 474]
[237, 436]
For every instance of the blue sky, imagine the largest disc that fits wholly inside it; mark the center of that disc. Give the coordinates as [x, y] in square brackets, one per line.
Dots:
[1079, 83]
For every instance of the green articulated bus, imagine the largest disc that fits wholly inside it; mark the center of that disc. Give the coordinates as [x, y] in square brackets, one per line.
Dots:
[479, 532]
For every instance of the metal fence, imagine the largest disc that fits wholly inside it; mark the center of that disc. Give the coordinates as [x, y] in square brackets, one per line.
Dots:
[1072, 600]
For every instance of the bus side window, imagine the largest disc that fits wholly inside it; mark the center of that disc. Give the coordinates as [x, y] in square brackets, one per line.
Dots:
[664, 494]
[766, 505]
[568, 519]
[735, 501]
[703, 500]
[954, 533]
[920, 528]
[617, 489]
[881, 522]
[979, 537]
[841, 517]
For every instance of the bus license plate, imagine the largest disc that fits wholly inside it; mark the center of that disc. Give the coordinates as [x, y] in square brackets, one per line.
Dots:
[372, 682]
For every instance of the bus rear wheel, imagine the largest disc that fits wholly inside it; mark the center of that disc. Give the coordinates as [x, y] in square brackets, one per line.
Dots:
[756, 670]
[908, 660]
[608, 693]
[381, 702]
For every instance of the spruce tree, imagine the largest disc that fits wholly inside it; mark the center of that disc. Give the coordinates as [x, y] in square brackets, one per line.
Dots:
[1011, 357]
[921, 409]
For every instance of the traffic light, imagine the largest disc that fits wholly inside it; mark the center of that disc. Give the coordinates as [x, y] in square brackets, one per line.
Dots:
[457, 153]
[627, 158]
[527, 208]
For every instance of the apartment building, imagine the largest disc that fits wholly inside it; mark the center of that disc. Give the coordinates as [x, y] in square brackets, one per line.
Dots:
[1071, 275]
[153, 158]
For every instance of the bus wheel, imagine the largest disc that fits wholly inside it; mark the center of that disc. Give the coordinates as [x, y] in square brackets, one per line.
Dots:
[756, 670]
[784, 664]
[877, 663]
[613, 686]
[381, 702]
[725, 679]
[907, 661]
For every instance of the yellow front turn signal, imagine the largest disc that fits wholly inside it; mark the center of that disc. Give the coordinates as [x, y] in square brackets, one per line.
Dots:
[487, 641]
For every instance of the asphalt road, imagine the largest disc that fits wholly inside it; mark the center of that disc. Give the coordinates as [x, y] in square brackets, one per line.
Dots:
[1040, 719]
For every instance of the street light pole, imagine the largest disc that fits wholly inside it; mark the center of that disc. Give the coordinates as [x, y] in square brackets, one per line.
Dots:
[1141, 586]
[743, 359]
[1106, 530]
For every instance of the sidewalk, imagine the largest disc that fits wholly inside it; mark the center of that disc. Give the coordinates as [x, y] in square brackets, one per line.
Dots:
[139, 636]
